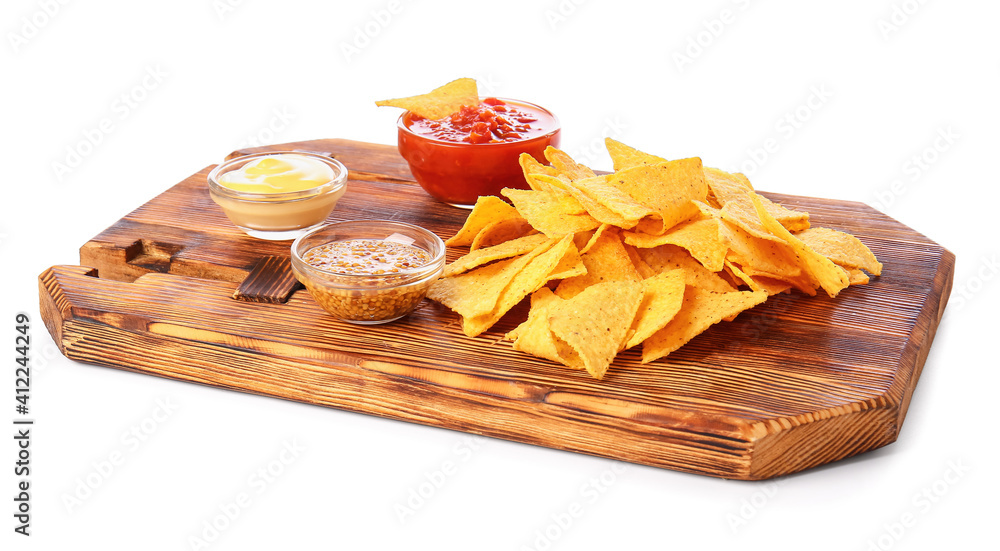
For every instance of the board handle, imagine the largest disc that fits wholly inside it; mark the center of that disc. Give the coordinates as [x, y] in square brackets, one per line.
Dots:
[271, 280]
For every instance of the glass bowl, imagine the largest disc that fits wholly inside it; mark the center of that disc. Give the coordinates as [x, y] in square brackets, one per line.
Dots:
[359, 294]
[457, 173]
[278, 216]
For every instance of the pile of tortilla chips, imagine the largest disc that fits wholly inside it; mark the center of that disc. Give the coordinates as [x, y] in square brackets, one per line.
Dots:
[653, 254]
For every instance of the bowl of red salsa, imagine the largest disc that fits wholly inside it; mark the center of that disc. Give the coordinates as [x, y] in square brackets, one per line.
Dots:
[475, 150]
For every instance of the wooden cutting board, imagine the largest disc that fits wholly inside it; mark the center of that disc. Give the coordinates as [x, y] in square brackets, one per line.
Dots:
[794, 383]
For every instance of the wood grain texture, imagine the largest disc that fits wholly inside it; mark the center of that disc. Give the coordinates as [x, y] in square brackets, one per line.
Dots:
[270, 280]
[794, 383]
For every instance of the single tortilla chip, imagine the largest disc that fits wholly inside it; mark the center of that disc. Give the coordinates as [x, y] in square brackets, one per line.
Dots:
[652, 225]
[487, 210]
[727, 188]
[643, 269]
[613, 198]
[623, 156]
[526, 281]
[565, 164]
[477, 291]
[758, 283]
[581, 239]
[842, 248]
[606, 260]
[792, 220]
[439, 102]
[768, 255]
[594, 237]
[731, 193]
[540, 300]
[741, 277]
[803, 282]
[662, 297]
[741, 212]
[552, 213]
[532, 166]
[481, 256]
[857, 276]
[501, 231]
[571, 265]
[598, 211]
[724, 186]
[772, 286]
[701, 310]
[558, 184]
[822, 270]
[594, 322]
[700, 237]
[669, 188]
[671, 257]
[534, 336]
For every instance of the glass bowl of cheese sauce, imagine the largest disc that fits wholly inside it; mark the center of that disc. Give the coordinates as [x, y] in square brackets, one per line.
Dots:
[278, 195]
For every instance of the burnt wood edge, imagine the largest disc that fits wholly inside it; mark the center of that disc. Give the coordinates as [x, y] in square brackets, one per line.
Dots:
[804, 446]
[719, 456]
[724, 437]
[781, 437]
[927, 322]
[53, 306]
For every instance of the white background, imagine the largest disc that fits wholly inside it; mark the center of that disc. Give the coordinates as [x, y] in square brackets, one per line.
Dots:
[869, 86]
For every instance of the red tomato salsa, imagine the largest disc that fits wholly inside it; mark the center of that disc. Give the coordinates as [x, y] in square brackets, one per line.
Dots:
[492, 121]
[475, 151]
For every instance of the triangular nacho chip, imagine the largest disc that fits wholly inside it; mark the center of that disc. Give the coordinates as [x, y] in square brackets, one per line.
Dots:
[487, 210]
[595, 321]
[501, 231]
[606, 260]
[476, 292]
[439, 102]
[614, 199]
[669, 188]
[700, 237]
[662, 297]
[822, 270]
[701, 310]
[553, 213]
[565, 164]
[526, 281]
[486, 255]
[534, 336]
[842, 248]
[671, 257]
[623, 156]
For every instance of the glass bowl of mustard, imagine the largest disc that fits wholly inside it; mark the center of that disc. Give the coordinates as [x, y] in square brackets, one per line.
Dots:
[278, 195]
[368, 271]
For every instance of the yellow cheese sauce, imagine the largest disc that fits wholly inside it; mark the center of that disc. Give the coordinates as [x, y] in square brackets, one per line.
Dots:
[281, 173]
